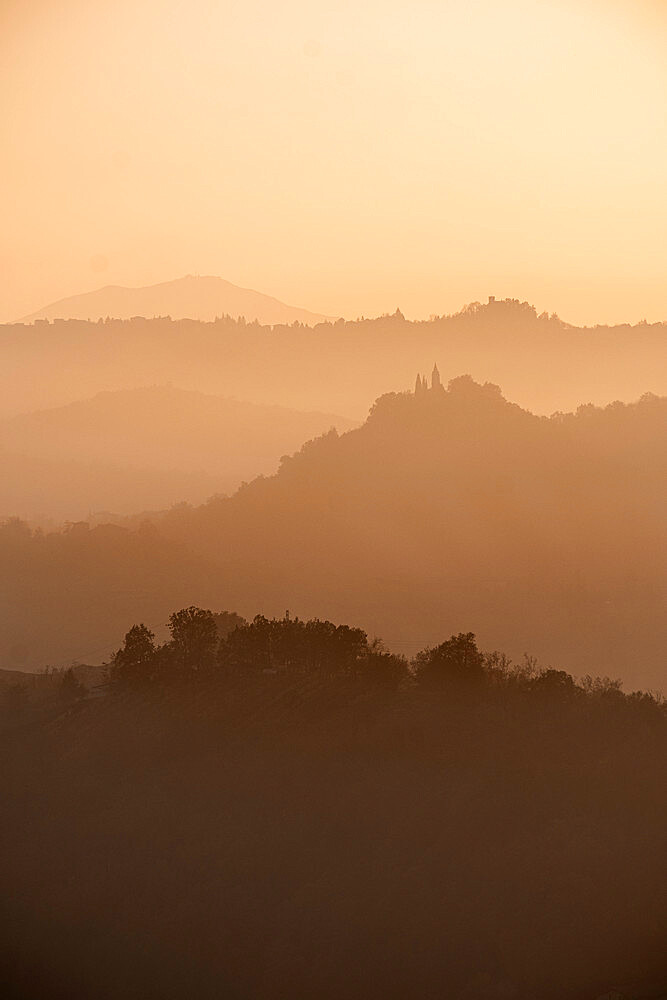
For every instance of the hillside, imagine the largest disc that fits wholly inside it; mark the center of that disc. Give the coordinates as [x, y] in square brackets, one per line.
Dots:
[142, 449]
[447, 510]
[192, 297]
[319, 834]
[541, 362]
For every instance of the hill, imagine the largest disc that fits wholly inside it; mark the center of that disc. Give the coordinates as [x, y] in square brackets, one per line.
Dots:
[542, 363]
[318, 833]
[191, 297]
[447, 510]
[142, 449]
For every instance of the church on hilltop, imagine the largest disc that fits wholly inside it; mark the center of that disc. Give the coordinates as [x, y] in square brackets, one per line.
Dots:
[422, 386]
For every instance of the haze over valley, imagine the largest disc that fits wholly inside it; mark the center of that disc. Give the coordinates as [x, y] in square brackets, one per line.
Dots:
[542, 362]
[127, 451]
[447, 504]
[333, 536]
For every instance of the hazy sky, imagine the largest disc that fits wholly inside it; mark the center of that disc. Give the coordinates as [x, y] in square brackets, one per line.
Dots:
[347, 156]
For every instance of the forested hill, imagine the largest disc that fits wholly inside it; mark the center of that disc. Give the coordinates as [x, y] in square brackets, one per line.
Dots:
[541, 362]
[455, 506]
[335, 826]
[447, 509]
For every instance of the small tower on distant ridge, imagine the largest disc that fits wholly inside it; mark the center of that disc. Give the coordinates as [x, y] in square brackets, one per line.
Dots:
[435, 378]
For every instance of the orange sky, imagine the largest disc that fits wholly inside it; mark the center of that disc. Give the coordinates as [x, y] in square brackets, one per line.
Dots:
[344, 156]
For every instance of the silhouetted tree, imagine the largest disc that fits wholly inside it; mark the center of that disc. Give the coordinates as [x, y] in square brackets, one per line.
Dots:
[556, 685]
[194, 639]
[282, 644]
[132, 664]
[457, 659]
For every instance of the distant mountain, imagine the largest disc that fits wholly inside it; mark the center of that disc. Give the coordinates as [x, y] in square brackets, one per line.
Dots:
[192, 297]
[141, 449]
[448, 510]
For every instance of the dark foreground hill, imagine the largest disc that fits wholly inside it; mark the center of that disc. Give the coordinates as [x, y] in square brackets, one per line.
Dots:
[541, 362]
[257, 836]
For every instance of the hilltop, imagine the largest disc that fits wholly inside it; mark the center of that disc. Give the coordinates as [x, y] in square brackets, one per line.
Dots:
[448, 507]
[192, 297]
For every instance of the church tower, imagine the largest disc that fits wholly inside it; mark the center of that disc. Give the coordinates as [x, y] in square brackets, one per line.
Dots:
[435, 378]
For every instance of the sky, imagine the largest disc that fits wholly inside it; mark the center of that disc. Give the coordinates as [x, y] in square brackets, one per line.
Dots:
[348, 157]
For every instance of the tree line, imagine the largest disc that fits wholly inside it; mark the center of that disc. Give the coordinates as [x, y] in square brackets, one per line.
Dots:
[203, 644]
[280, 807]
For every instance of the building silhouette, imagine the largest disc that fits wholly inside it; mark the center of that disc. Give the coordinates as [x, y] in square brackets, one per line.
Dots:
[421, 382]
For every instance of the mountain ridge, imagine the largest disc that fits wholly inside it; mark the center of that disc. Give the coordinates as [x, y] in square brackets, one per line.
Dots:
[200, 297]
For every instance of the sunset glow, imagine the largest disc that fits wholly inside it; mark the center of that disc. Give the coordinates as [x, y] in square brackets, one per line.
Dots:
[344, 157]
